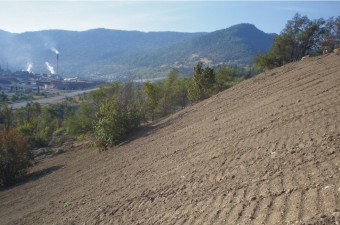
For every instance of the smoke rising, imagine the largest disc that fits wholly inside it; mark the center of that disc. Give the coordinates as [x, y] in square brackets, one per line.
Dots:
[50, 68]
[55, 50]
[29, 67]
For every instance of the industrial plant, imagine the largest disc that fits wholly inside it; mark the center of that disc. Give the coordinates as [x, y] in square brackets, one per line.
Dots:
[26, 81]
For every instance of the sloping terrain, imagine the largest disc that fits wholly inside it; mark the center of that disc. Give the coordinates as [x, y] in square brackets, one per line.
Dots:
[263, 152]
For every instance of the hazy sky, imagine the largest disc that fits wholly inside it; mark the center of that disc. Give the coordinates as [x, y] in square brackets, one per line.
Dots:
[184, 16]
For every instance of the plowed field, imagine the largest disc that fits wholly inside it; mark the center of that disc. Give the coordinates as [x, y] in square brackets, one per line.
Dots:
[266, 151]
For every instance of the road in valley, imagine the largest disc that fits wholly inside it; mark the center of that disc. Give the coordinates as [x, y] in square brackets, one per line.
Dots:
[51, 99]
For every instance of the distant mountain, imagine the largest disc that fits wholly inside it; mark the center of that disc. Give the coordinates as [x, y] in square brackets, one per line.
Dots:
[235, 45]
[79, 50]
[114, 54]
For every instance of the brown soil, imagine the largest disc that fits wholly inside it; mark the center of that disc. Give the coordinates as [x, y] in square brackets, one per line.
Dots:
[263, 152]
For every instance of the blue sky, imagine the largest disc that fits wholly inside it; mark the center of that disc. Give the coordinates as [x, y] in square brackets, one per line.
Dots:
[183, 16]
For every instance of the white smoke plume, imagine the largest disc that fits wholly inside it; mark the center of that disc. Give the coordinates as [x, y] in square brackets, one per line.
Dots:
[50, 68]
[29, 67]
[55, 50]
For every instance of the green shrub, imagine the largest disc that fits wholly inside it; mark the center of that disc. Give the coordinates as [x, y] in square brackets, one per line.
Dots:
[80, 122]
[111, 125]
[114, 122]
[202, 85]
[15, 156]
[118, 115]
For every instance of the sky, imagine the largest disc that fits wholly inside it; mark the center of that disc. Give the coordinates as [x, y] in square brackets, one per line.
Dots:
[182, 16]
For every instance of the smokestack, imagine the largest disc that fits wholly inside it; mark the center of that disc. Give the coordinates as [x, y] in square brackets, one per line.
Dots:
[57, 53]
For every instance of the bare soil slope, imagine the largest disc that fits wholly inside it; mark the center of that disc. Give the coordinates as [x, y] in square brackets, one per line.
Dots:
[266, 151]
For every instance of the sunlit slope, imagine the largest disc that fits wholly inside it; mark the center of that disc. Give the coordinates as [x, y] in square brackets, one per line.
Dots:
[263, 152]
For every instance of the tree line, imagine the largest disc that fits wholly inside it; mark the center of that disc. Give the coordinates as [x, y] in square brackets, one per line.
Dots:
[122, 107]
[301, 36]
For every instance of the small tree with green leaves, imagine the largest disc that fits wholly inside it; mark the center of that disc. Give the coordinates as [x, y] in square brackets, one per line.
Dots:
[225, 77]
[330, 37]
[202, 85]
[15, 156]
[80, 122]
[118, 116]
[6, 117]
[152, 99]
[167, 103]
[180, 90]
[3, 97]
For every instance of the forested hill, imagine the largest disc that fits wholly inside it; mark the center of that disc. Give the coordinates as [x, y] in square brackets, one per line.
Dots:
[236, 45]
[79, 50]
[107, 54]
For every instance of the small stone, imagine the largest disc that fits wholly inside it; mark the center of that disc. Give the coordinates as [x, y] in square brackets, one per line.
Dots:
[331, 151]
[301, 145]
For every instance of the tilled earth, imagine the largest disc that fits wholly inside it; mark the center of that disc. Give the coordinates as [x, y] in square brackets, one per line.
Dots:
[263, 152]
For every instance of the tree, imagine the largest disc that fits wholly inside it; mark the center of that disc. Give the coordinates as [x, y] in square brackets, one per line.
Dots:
[202, 85]
[299, 37]
[109, 127]
[80, 122]
[6, 117]
[104, 93]
[114, 123]
[117, 116]
[28, 113]
[3, 97]
[15, 156]
[172, 77]
[152, 98]
[167, 103]
[225, 77]
[43, 128]
[330, 37]
[38, 123]
[180, 89]
[267, 61]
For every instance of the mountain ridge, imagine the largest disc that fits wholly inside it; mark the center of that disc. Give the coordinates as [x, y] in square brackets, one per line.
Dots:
[202, 45]
[110, 53]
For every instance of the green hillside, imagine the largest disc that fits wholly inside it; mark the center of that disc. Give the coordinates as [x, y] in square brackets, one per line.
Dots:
[237, 44]
[114, 54]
